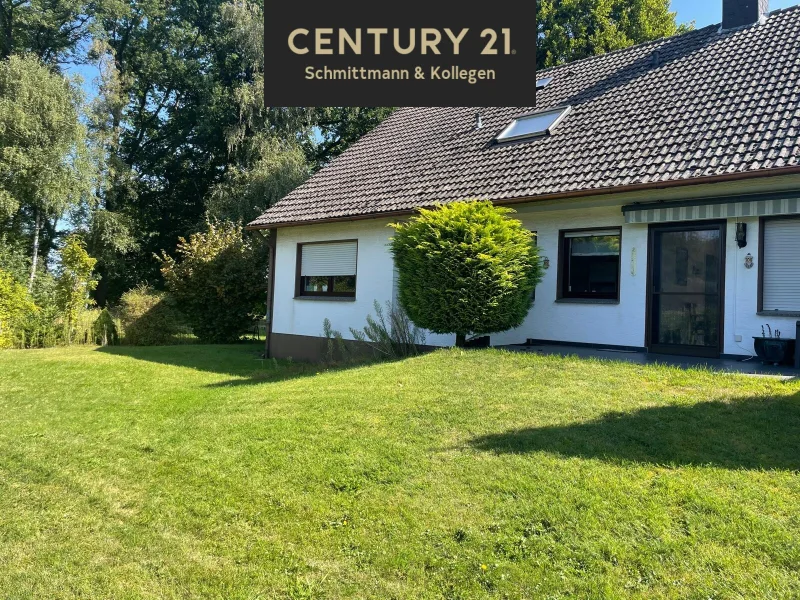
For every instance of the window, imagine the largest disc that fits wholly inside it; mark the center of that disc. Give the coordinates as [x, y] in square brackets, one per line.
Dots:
[533, 125]
[327, 269]
[543, 82]
[589, 264]
[780, 265]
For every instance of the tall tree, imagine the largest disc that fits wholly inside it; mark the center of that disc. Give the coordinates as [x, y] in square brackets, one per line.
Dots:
[574, 29]
[44, 167]
[53, 30]
[164, 121]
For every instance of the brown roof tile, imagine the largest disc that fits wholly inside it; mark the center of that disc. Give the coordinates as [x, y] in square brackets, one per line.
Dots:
[717, 103]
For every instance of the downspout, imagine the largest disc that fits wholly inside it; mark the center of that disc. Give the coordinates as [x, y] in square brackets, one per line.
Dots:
[272, 244]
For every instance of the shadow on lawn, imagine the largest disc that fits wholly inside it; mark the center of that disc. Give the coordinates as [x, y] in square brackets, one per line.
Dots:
[237, 360]
[752, 433]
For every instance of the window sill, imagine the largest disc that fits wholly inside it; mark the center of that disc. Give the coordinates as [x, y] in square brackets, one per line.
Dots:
[586, 301]
[778, 313]
[327, 298]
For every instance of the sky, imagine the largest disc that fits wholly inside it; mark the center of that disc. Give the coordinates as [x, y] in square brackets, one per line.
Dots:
[708, 12]
[702, 12]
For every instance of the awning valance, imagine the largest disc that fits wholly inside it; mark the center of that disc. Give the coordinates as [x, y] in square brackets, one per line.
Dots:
[711, 208]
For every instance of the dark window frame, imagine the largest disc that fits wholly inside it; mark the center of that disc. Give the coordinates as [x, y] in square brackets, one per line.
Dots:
[761, 230]
[563, 268]
[299, 292]
[563, 111]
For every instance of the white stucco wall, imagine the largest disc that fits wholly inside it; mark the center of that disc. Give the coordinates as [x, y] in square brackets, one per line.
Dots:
[621, 324]
[618, 324]
[374, 280]
[741, 294]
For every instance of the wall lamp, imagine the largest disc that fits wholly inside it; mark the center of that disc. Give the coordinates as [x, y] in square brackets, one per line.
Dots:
[741, 234]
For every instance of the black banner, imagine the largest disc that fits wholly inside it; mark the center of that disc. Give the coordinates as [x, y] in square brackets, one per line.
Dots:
[415, 53]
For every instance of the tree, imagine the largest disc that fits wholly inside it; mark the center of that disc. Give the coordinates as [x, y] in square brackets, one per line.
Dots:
[15, 303]
[44, 166]
[52, 30]
[219, 281]
[185, 133]
[465, 268]
[247, 191]
[74, 283]
[574, 29]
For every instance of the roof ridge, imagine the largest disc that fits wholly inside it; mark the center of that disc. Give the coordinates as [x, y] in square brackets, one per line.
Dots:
[547, 70]
[784, 9]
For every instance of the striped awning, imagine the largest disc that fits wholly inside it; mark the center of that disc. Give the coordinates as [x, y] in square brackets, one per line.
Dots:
[710, 208]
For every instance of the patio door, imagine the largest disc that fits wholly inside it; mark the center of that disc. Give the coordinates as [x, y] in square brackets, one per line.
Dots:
[686, 283]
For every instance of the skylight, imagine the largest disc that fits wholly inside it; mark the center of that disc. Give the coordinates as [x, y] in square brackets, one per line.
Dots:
[533, 125]
[543, 82]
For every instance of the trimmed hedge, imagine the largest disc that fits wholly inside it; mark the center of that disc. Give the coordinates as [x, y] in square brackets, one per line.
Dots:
[465, 268]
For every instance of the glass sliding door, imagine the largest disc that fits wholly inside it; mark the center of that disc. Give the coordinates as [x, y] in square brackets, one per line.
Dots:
[686, 289]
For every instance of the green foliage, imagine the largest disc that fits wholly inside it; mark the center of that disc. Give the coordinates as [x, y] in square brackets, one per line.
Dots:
[392, 335]
[45, 165]
[74, 283]
[218, 281]
[15, 306]
[42, 142]
[465, 268]
[104, 329]
[13, 259]
[574, 29]
[53, 30]
[247, 192]
[336, 349]
[150, 318]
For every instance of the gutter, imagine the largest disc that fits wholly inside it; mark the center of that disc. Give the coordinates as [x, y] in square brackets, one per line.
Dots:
[660, 185]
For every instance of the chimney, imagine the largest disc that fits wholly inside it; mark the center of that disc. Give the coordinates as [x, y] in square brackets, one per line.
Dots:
[739, 13]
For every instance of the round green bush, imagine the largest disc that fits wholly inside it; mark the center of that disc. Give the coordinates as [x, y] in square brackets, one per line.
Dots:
[465, 268]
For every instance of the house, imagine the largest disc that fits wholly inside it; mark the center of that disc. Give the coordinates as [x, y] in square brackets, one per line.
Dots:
[662, 182]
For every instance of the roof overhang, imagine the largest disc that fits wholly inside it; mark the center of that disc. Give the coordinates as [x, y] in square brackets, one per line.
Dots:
[622, 189]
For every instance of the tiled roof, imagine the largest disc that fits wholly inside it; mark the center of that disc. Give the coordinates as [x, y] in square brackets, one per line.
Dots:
[700, 104]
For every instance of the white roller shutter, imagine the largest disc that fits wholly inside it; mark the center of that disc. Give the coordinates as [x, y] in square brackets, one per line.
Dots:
[334, 258]
[782, 265]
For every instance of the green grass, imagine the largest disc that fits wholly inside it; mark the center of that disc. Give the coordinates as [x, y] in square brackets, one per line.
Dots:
[201, 471]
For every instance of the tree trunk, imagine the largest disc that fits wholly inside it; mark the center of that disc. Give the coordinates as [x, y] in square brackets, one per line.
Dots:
[35, 254]
[6, 31]
[461, 340]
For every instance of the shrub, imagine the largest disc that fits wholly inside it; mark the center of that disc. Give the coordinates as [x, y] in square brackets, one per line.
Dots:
[219, 281]
[15, 306]
[104, 329]
[13, 258]
[465, 268]
[150, 318]
[74, 282]
[390, 336]
[335, 347]
[44, 327]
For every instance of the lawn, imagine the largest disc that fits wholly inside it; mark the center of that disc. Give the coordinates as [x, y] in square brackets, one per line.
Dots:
[202, 471]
